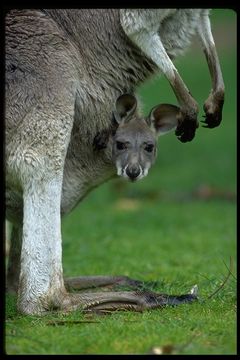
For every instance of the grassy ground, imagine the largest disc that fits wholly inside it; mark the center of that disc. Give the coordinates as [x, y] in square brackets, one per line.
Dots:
[177, 226]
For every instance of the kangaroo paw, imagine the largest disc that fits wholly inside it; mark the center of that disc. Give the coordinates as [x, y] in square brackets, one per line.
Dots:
[186, 129]
[213, 110]
[100, 141]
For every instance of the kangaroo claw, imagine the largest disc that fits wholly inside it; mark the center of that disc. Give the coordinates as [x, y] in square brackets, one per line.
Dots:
[213, 110]
[186, 129]
[194, 290]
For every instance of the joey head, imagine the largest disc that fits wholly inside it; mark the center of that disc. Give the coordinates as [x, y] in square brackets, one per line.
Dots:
[133, 137]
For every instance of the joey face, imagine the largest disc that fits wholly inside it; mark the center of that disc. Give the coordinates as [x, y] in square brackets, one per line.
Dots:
[134, 146]
[134, 149]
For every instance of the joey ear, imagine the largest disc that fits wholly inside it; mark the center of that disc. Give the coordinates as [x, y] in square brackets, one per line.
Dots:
[125, 106]
[163, 118]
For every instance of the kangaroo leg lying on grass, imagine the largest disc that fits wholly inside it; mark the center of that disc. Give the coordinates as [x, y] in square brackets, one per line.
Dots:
[137, 300]
[65, 68]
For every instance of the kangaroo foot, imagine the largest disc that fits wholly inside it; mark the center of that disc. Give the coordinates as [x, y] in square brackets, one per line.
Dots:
[102, 301]
[125, 300]
[107, 282]
[213, 110]
[186, 128]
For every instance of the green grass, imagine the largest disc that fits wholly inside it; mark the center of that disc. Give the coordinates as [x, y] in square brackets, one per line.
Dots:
[162, 228]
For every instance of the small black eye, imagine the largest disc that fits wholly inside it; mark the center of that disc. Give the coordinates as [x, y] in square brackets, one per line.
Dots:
[149, 147]
[121, 145]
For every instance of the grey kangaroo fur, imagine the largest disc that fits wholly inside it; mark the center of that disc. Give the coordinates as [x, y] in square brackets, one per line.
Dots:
[65, 70]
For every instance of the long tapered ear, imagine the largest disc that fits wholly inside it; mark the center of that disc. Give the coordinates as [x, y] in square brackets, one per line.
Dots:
[125, 106]
[163, 118]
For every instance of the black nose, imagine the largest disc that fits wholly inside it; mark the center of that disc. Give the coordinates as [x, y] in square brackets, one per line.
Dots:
[133, 171]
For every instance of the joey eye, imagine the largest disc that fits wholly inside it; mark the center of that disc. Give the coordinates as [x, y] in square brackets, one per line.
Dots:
[121, 145]
[149, 147]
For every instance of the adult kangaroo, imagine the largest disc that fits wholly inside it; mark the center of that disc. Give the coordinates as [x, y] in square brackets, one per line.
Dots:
[65, 68]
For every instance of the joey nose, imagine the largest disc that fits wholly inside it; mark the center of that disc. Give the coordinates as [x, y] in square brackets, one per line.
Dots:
[133, 171]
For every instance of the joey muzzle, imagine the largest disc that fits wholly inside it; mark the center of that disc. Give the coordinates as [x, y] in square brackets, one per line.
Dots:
[133, 171]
